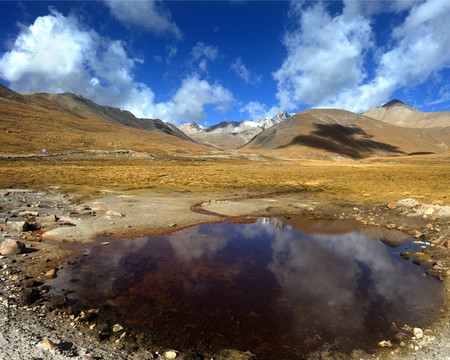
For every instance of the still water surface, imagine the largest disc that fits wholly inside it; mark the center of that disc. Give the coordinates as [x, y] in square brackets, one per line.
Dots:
[279, 288]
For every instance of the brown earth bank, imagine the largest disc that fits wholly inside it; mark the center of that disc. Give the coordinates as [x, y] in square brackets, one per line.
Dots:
[110, 197]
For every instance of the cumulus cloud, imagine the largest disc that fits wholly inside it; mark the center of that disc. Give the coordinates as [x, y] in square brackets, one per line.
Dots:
[325, 59]
[188, 103]
[244, 73]
[56, 54]
[257, 111]
[146, 14]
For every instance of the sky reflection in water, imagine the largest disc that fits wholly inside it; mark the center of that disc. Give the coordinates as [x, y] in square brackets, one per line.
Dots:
[264, 287]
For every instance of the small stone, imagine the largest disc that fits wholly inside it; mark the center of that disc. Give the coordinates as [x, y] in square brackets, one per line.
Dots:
[16, 225]
[384, 344]
[48, 219]
[82, 208]
[170, 354]
[117, 328]
[428, 211]
[28, 213]
[418, 333]
[98, 208]
[46, 344]
[417, 234]
[114, 213]
[429, 226]
[105, 243]
[51, 273]
[12, 247]
[391, 206]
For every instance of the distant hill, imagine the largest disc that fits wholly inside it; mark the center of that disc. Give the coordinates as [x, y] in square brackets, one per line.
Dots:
[328, 133]
[398, 113]
[83, 106]
[56, 123]
[231, 134]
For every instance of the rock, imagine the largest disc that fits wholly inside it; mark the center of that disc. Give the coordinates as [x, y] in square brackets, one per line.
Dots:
[30, 283]
[28, 297]
[418, 333]
[170, 354]
[117, 328]
[391, 206]
[57, 301]
[12, 247]
[28, 213]
[51, 273]
[17, 225]
[82, 208]
[417, 234]
[428, 211]
[48, 219]
[384, 344]
[230, 354]
[98, 208]
[114, 213]
[46, 344]
[105, 243]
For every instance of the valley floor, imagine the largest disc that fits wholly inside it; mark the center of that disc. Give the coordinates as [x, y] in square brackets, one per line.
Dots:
[126, 195]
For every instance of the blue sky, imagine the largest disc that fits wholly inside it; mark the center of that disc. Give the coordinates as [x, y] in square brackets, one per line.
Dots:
[212, 61]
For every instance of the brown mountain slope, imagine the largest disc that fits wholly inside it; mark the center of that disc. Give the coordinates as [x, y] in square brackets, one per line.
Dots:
[397, 113]
[30, 126]
[80, 105]
[325, 133]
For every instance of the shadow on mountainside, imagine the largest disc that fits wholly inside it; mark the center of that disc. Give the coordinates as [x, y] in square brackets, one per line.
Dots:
[346, 140]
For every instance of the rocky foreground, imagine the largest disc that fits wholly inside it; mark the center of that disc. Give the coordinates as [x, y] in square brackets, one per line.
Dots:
[36, 325]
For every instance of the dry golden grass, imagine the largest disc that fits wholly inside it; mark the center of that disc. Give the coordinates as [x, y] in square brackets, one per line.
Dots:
[377, 181]
[30, 128]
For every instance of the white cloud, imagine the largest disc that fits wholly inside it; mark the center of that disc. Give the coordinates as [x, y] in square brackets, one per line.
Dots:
[324, 57]
[241, 70]
[324, 65]
[202, 52]
[257, 111]
[188, 103]
[144, 13]
[56, 54]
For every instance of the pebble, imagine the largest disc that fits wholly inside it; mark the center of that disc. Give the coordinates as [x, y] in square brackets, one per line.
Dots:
[46, 344]
[117, 328]
[429, 211]
[170, 354]
[51, 273]
[385, 343]
[418, 333]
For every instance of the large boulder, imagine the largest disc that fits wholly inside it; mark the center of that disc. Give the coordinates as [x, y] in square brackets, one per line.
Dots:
[12, 247]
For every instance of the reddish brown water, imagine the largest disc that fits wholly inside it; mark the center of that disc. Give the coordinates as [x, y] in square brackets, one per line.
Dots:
[265, 287]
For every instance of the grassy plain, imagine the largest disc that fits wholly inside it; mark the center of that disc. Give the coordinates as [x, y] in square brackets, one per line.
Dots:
[373, 181]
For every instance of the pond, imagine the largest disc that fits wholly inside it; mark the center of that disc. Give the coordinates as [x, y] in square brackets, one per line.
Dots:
[277, 287]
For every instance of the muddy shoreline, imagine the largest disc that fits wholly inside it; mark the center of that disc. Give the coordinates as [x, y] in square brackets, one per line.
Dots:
[52, 220]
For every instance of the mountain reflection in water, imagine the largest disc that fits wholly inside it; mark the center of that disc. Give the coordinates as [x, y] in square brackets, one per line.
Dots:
[265, 287]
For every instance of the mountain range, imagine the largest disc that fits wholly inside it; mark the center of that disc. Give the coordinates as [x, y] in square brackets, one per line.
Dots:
[30, 123]
[231, 134]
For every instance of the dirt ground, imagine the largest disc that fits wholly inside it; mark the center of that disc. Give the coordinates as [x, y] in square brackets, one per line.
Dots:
[93, 196]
